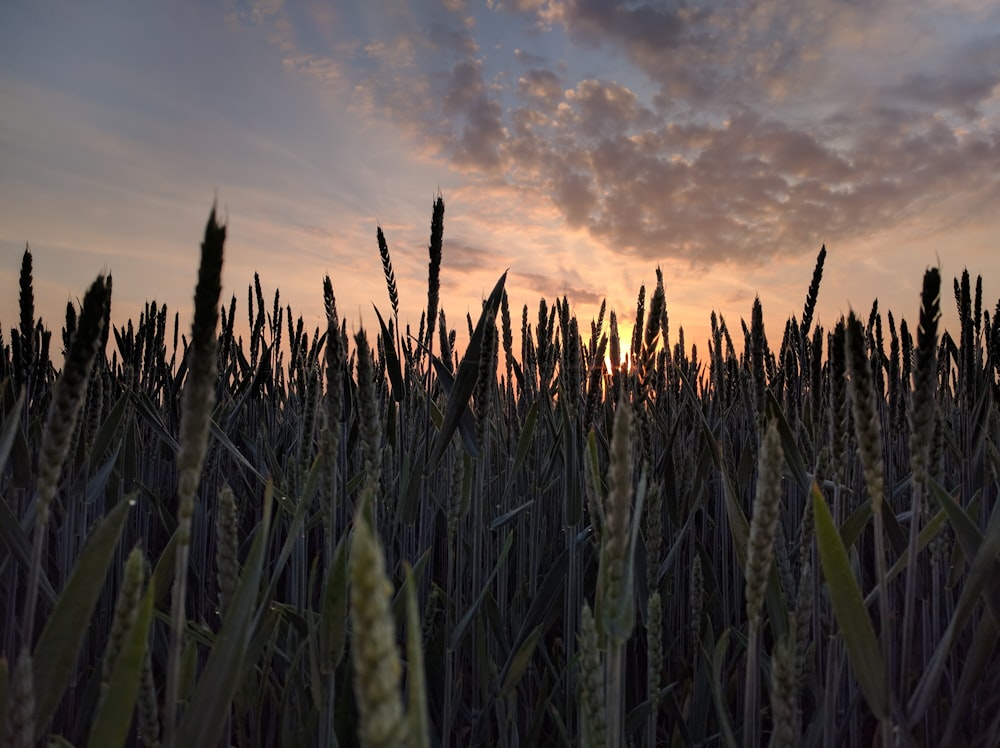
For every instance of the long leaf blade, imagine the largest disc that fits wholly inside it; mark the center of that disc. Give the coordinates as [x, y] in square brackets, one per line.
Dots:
[468, 372]
[848, 606]
[111, 725]
[60, 641]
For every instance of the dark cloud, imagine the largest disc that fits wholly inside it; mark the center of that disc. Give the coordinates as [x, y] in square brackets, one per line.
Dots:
[962, 83]
[606, 108]
[550, 286]
[482, 129]
[462, 256]
[754, 188]
[634, 24]
[542, 87]
[527, 58]
[451, 39]
[573, 193]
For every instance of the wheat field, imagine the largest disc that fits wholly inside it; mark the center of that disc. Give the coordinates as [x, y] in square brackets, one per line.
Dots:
[311, 537]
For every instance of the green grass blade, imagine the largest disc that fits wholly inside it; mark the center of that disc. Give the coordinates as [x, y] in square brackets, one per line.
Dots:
[466, 423]
[468, 372]
[163, 572]
[108, 429]
[391, 359]
[855, 625]
[519, 660]
[228, 445]
[507, 517]
[739, 527]
[14, 539]
[333, 618]
[59, 643]
[855, 524]
[111, 725]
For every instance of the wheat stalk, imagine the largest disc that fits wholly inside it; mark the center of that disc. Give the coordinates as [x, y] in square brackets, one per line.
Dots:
[377, 667]
[196, 407]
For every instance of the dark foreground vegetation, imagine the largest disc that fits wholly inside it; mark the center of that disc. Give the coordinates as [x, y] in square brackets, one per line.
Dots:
[316, 538]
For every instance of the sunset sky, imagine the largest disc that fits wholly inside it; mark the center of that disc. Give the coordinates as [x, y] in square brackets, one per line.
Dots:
[579, 143]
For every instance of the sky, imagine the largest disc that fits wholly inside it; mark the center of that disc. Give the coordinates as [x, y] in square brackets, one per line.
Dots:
[578, 144]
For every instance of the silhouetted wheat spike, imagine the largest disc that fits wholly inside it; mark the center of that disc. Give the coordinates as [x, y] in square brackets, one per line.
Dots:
[813, 294]
[654, 321]
[70, 327]
[434, 267]
[390, 276]
[963, 299]
[922, 409]
[508, 336]
[640, 316]
[897, 412]
[68, 399]
[594, 379]
[597, 326]
[758, 353]
[196, 408]
[664, 317]
[23, 339]
[445, 342]
[868, 429]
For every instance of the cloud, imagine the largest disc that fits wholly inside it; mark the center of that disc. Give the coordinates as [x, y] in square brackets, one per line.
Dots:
[463, 256]
[482, 132]
[554, 285]
[635, 25]
[735, 134]
[542, 87]
[966, 80]
[605, 108]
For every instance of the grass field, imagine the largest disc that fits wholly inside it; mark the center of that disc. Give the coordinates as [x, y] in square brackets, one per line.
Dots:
[315, 538]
